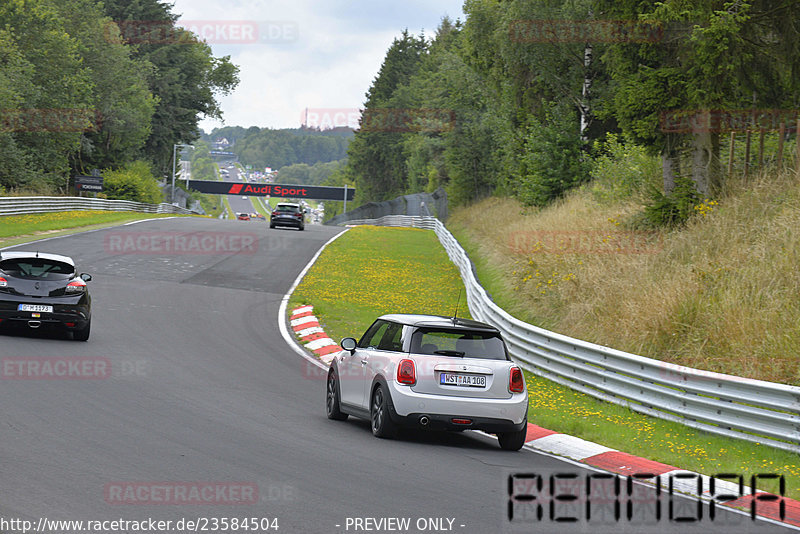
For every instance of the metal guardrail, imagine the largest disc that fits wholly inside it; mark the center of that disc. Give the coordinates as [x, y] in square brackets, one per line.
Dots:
[26, 205]
[754, 410]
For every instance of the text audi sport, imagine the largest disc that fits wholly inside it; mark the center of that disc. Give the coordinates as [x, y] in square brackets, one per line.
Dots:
[429, 371]
[39, 290]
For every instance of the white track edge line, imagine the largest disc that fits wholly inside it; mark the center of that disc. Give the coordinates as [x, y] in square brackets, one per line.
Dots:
[289, 339]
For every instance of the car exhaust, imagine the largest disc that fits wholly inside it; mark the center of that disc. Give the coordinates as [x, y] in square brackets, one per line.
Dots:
[424, 420]
[34, 324]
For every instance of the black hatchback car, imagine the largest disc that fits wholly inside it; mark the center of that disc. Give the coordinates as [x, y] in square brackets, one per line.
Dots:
[39, 290]
[288, 215]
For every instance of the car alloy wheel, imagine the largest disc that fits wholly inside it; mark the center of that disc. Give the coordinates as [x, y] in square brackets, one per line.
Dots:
[332, 406]
[382, 425]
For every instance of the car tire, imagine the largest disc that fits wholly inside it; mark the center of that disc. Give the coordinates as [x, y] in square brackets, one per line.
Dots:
[332, 406]
[512, 441]
[272, 226]
[380, 420]
[82, 334]
[302, 228]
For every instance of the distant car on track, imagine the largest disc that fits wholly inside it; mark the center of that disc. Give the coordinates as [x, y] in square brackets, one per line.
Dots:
[243, 216]
[429, 371]
[286, 214]
[39, 290]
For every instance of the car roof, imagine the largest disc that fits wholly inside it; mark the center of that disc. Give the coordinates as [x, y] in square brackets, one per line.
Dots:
[287, 204]
[36, 254]
[438, 321]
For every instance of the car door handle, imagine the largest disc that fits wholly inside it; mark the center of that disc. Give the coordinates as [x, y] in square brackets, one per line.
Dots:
[363, 362]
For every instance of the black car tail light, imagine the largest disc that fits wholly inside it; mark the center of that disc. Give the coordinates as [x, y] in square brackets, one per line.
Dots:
[76, 286]
[3, 282]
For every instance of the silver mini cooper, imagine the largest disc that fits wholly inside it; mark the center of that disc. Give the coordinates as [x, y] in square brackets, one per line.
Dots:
[429, 371]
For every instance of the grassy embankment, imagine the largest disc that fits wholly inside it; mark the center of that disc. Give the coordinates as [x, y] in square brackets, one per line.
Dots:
[371, 271]
[16, 229]
[719, 294]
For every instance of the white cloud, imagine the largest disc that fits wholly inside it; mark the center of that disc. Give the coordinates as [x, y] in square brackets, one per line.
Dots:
[317, 54]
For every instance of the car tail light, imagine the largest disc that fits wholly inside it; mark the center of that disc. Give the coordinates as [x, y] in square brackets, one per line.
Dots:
[3, 282]
[516, 382]
[406, 373]
[76, 286]
[462, 421]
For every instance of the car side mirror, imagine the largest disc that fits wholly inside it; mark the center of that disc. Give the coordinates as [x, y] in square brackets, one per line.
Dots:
[348, 343]
[86, 277]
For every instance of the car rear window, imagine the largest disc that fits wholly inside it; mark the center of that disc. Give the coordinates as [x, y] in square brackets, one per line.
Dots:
[467, 344]
[37, 268]
[286, 208]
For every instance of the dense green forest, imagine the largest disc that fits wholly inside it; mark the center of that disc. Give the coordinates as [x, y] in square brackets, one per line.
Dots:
[81, 89]
[520, 97]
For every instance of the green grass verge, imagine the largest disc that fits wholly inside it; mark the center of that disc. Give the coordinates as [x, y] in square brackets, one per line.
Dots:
[370, 271]
[260, 206]
[23, 228]
[228, 210]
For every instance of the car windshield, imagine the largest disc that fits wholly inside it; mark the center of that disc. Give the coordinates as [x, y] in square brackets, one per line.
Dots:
[461, 343]
[37, 268]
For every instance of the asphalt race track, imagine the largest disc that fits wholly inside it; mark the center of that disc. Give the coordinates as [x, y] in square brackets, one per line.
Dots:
[204, 392]
[238, 203]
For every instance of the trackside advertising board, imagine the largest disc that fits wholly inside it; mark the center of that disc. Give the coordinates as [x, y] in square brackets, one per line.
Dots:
[315, 192]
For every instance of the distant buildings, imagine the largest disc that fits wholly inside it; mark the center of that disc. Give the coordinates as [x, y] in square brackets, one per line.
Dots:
[220, 144]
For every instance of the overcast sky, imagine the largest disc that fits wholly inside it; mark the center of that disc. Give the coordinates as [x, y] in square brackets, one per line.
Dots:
[293, 55]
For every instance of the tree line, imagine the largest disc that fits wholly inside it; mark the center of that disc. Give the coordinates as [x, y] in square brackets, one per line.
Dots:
[520, 97]
[77, 93]
[277, 148]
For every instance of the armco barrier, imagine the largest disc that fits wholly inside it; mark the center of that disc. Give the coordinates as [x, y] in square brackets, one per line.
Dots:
[754, 410]
[25, 205]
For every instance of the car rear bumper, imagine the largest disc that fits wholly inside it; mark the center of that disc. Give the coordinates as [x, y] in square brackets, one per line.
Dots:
[457, 422]
[65, 316]
[287, 222]
[490, 415]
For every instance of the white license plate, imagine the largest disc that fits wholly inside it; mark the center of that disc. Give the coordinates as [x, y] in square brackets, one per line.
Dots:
[470, 381]
[35, 308]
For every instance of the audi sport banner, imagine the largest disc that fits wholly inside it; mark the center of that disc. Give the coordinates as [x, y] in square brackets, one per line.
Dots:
[316, 192]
